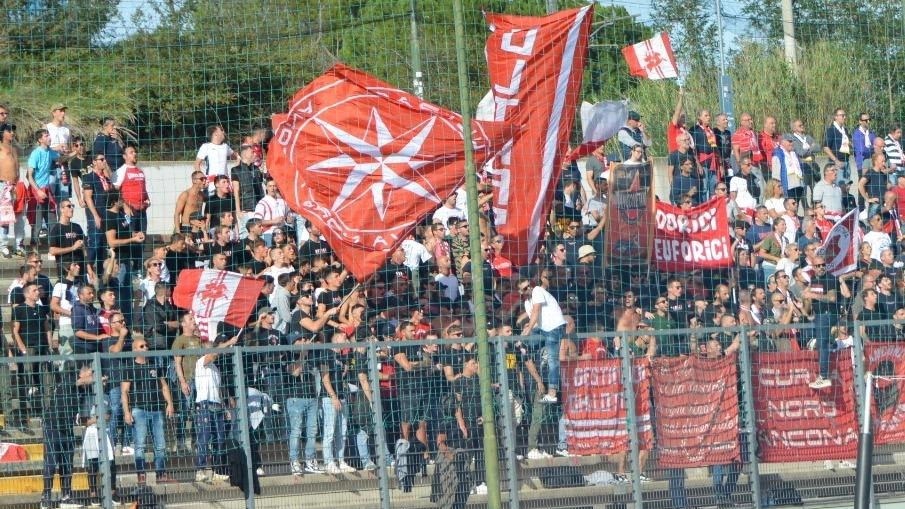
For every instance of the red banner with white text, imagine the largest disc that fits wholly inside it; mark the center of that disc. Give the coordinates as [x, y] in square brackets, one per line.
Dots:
[535, 65]
[697, 238]
[697, 411]
[594, 406]
[797, 423]
[887, 360]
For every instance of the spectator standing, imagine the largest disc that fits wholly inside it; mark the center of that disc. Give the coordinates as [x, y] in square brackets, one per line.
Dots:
[745, 144]
[146, 400]
[863, 140]
[788, 168]
[79, 164]
[825, 292]
[892, 147]
[67, 241]
[109, 143]
[631, 134]
[96, 186]
[273, 211]
[59, 439]
[41, 178]
[191, 201]
[60, 141]
[9, 188]
[214, 156]
[768, 139]
[248, 187]
[544, 317]
[302, 404]
[126, 245]
[676, 126]
[210, 419]
[184, 365]
[333, 369]
[132, 186]
[705, 147]
[723, 144]
[837, 145]
[828, 193]
[222, 201]
[86, 325]
[872, 185]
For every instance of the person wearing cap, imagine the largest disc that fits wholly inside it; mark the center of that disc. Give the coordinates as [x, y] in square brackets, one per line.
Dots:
[631, 134]
[738, 236]
[132, 185]
[41, 179]
[247, 187]
[214, 155]
[190, 201]
[786, 165]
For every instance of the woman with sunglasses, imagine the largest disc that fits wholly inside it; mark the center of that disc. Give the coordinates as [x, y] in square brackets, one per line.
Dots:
[153, 275]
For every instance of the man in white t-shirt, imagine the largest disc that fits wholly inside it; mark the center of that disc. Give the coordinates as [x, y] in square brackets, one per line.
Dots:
[738, 190]
[544, 317]
[64, 294]
[446, 211]
[214, 156]
[59, 132]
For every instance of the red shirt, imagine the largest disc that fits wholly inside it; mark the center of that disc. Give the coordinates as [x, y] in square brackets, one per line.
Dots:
[768, 144]
[672, 132]
[132, 187]
[746, 141]
[502, 266]
[900, 200]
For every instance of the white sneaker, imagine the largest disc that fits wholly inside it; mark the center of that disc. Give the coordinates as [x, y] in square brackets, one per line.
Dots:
[537, 454]
[201, 476]
[312, 467]
[332, 468]
[220, 477]
[296, 468]
[345, 467]
[276, 407]
[564, 453]
[820, 383]
[69, 503]
[480, 489]
[260, 471]
[828, 465]
[128, 451]
[644, 478]
[549, 398]
[847, 464]
[370, 466]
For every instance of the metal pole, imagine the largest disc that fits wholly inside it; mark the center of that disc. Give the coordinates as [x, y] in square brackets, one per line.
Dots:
[380, 439]
[628, 390]
[100, 403]
[750, 426]
[418, 82]
[788, 35]
[244, 424]
[508, 421]
[865, 451]
[859, 367]
[477, 269]
[724, 88]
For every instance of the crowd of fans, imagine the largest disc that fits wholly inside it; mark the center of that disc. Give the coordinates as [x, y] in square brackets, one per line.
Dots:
[112, 293]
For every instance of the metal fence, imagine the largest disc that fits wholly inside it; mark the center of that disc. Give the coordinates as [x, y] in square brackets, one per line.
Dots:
[722, 416]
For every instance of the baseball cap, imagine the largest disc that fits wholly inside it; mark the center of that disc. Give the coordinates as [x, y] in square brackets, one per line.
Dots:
[740, 224]
[586, 250]
[788, 137]
[266, 310]
[58, 106]
[634, 115]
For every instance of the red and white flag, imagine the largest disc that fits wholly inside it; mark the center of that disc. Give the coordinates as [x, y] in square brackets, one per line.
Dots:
[535, 66]
[840, 249]
[216, 296]
[652, 59]
[365, 161]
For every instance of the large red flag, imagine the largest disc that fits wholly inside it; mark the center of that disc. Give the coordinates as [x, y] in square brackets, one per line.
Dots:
[216, 296]
[365, 161]
[535, 66]
[652, 59]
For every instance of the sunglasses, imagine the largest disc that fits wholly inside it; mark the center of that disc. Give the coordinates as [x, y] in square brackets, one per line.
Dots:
[119, 321]
[523, 289]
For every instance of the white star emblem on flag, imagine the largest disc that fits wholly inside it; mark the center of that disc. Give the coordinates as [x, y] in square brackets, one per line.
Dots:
[365, 158]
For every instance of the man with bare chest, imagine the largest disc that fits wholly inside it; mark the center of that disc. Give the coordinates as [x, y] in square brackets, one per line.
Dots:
[190, 201]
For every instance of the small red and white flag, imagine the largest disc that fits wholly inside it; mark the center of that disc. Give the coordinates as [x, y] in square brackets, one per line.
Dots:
[652, 59]
[216, 296]
[840, 249]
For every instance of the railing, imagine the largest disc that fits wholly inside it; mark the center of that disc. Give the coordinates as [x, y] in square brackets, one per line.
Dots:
[699, 429]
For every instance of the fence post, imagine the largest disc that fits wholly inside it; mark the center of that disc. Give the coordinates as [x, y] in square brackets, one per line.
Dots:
[100, 403]
[244, 424]
[861, 396]
[508, 420]
[750, 423]
[380, 439]
[631, 419]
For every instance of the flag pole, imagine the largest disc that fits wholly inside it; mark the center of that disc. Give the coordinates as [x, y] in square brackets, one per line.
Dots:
[491, 457]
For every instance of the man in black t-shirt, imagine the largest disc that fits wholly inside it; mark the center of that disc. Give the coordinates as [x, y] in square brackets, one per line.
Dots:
[824, 292]
[96, 184]
[221, 201]
[330, 297]
[302, 407]
[411, 365]
[248, 186]
[67, 241]
[146, 400]
[314, 246]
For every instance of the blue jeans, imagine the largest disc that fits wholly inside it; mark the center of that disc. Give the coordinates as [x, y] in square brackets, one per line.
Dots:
[142, 420]
[97, 243]
[210, 426]
[116, 416]
[677, 487]
[845, 171]
[335, 425]
[298, 409]
[552, 339]
[823, 322]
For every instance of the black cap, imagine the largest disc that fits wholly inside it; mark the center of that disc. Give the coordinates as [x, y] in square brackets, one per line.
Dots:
[634, 115]
[740, 224]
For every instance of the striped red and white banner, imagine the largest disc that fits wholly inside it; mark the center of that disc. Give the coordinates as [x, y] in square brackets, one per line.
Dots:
[216, 296]
[652, 59]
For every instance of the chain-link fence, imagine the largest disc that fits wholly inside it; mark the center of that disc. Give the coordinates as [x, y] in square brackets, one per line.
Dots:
[709, 416]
